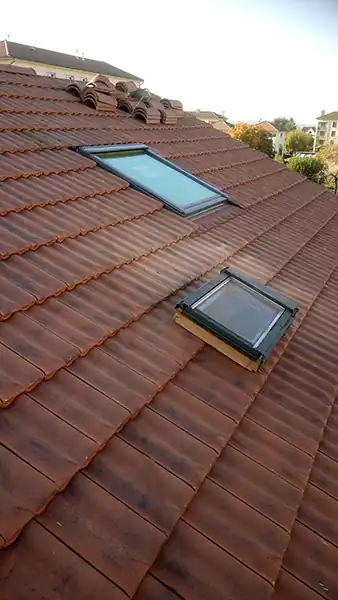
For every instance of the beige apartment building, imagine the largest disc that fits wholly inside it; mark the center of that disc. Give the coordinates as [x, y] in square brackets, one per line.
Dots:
[326, 130]
[57, 64]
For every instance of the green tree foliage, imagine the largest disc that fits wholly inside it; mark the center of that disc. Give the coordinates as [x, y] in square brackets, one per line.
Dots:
[314, 168]
[298, 141]
[329, 154]
[284, 124]
[254, 136]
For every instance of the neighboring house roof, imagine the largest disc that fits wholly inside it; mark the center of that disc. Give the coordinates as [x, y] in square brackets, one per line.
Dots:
[137, 462]
[207, 115]
[267, 126]
[308, 128]
[332, 116]
[59, 59]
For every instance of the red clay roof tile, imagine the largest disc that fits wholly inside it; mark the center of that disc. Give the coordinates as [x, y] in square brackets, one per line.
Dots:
[39, 566]
[125, 557]
[91, 271]
[239, 529]
[257, 486]
[195, 567]
[142, 484]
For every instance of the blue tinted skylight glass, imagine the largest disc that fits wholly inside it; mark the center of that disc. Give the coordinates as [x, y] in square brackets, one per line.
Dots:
[162, 180]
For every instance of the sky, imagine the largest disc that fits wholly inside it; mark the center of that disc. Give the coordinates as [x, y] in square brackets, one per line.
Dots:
[252, 59]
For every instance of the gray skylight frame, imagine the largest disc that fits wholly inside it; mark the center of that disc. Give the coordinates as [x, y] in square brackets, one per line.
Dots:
[213, 200]
[271, 335]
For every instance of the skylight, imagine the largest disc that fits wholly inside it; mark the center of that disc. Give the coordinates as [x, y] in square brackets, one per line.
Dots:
[148, 172]
[240, 317]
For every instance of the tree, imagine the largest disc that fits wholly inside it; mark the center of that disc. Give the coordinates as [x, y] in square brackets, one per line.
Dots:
[254, 136]
[298, 141]
[314, 168]
[284, 124]
[330, 155]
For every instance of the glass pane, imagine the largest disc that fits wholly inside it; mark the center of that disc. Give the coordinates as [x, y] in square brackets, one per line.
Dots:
[159, 178]
[241, 309]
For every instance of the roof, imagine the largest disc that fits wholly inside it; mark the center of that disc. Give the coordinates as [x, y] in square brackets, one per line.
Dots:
[208, 115]
[307, 128]
[267, 126]
[137, 462]
[332, 116]
[59, 59]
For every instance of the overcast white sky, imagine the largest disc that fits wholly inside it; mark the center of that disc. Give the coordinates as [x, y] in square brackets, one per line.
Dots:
[251, 58]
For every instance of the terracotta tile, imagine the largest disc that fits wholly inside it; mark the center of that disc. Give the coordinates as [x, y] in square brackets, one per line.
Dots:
[141, 357]
[258, 487]
[240, 530]
[114, 379]
[319, 512]
[169, 446]
[44, 441]
[140, 483]
[108, 312]
[16, 375]
[68, 324]
[196, 417]
[272, 452]
[286, 424]
[36, 344]
[13, 298]
[195, 568]
[39, 566]
[214, 390]
[329, 442]
[152, 589]
[24, 491]
[317, 567]
[81, 405]
[21, 271]
[108, 535]
[290, 588]
[324, 475]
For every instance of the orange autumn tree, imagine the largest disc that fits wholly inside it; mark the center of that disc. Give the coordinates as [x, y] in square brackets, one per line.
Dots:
[254, 136]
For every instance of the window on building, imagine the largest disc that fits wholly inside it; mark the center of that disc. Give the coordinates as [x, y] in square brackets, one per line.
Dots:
[334, 124]
[180, 191]
[333, 133]
[240, 317]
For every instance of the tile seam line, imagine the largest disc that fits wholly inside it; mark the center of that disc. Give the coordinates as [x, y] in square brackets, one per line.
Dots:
[63, 486]
[52, 242]
[82, 558]
[71, 199]
[168, 587]
[313, 530]
[227, 552]
[231, 493]
[209, 478]
[303, 582]
[306, 485]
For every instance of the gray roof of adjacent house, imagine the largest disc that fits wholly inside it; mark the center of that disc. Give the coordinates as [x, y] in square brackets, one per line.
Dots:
[59, 59]
[209, 115]
[332, 116]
